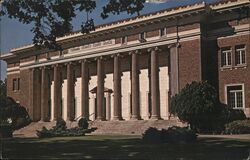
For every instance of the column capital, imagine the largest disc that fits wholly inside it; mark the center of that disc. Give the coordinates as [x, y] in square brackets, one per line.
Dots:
[84, 61]
[135, 52]
[55, 65]
[44, 67]
[32, 69]
[99, 58]
[177, 45]
[68, 63]
[116, 55]
[154, 49]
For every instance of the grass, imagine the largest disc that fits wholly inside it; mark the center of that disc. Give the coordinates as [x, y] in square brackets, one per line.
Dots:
[123, 147]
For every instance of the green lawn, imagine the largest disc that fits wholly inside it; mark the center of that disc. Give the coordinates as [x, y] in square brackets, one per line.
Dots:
[123, 147]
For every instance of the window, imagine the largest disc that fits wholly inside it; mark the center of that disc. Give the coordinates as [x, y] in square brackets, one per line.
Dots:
[226, 57]
[16, 84]
[142, 37]
[36, 58]
[235, 96]
[60, 53]
[162, 32]
[240, 55]
[124, 40]
[47, 56]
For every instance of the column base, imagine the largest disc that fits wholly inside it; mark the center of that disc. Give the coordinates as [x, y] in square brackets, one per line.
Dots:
[117, 118]
[100, 119]
[135, 117]
[45, 120]
[155, 117]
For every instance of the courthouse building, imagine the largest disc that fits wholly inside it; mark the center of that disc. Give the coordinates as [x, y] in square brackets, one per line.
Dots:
[130, 69]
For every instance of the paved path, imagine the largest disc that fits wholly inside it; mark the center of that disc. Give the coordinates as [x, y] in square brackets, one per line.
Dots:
[239, 136]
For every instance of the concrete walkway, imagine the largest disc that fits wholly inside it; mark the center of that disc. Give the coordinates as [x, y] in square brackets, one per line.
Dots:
[238, 136]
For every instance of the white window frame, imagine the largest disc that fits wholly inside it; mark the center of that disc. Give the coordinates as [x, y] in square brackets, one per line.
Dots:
[227, 62]
[125, 40]
[243, 93]
[240, 52]
[164, 32]
[142, 37]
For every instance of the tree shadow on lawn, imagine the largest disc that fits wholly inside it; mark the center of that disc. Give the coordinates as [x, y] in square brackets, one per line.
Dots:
[117, 147]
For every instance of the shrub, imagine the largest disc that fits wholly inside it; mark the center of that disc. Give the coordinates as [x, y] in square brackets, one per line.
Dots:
[196, 104]
[152, 135]
[172, 134]
[83, 123]
[60, 130]
[238, 127]
[176, 134]
[226, 114]
[6, 130]
[60, 124]
[13, 114]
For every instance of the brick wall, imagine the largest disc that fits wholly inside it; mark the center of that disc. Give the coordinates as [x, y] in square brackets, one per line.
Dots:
[189, 62]
[235, 75]
[16, 95]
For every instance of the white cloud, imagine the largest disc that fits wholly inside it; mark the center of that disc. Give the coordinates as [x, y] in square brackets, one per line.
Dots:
[156, 1]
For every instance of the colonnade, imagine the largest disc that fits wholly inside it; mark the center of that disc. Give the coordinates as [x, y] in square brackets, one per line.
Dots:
[41, 105]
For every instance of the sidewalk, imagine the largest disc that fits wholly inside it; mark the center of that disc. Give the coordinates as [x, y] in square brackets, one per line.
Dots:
[236, 136]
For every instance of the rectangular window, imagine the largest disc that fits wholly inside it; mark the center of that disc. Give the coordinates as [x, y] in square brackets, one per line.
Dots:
[36, 58]
[240, 55]
[47, 56]
[124, 40]
[16, 84]
[162, 32]
[226, 57]
[142, 37]
[235, 96]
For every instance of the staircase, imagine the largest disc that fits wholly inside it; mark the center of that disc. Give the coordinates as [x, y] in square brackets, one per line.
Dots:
[103, 127]
[130, 127]
[30, 130]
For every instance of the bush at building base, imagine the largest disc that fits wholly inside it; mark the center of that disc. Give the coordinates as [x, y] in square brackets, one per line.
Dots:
[13, 116]
[6, 130]
[61, 130]
[83, 123]
[238, 127]
[172, 134]
[198, 104]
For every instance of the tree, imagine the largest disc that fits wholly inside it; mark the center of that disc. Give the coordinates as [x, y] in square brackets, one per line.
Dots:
[2, 92]
[52, 18]
[13, 116]
[197, 103]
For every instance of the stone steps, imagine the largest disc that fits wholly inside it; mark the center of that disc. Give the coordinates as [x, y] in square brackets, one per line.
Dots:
[131, 127]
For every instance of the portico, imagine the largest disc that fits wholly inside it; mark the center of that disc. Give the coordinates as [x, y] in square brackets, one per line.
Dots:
[122, 86]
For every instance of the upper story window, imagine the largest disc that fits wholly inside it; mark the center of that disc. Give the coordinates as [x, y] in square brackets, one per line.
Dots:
[60, 53]
[36, 58]
[240, 55]
[16, 84]
[226, 57]
[235, 96]
[142, 37]
[162, 32]
[47, 56]
[124, 39]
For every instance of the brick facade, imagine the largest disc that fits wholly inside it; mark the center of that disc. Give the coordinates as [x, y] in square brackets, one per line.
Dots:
[189, 51]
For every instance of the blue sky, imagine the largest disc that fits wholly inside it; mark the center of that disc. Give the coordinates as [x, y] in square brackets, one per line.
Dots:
[14, 34]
